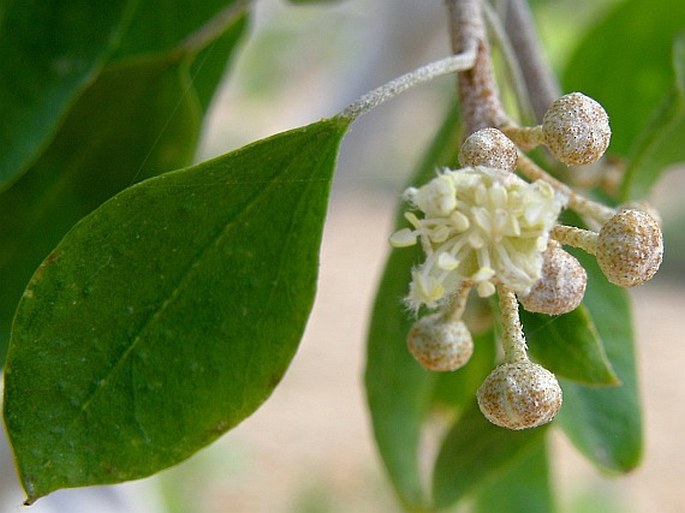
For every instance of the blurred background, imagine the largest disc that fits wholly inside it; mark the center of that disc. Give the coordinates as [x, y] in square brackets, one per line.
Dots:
[309, 448]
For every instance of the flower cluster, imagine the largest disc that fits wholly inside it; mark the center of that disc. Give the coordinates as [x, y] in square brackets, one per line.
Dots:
[481, 226]
[484, 227]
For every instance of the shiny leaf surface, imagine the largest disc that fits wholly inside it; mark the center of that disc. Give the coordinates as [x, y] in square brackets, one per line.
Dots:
[169, 314]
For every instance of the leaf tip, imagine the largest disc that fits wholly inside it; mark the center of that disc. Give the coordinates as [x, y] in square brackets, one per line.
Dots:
[614, 380]
[31, 495]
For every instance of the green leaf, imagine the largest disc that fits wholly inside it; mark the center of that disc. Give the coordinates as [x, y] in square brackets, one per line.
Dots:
[51, 51]
[474, 452]
[523, 488]
[399, 391]
[76, 39]
[165, 26]
[211, 64]
[169, 314]
[136, 121]
[624, 62]
[569, 346]
[661, 142]
[605, 423]
[139, 118]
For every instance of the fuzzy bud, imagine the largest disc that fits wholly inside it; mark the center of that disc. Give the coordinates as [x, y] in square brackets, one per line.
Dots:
[630, 248]
[520, 395]
[440, 345]
[576, 129]
[643, 206]
[562, 285]
[490, 148]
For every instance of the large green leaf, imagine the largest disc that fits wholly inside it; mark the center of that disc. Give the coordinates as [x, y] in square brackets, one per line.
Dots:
[569, 346]
[661, 141]
[134, 122]
[162, 26]
[523, 488]
[50, 52]
[605, 423]
[56, 49]
[140, 117]
[399, 391]
[474, 452]
[625, 63]
[167, 315]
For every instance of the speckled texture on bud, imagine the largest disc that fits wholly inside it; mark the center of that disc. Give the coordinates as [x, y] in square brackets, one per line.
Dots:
[576, 129]
[489, 147]
[630, 248]
[520, 395]
[440, 345]
[562, 285]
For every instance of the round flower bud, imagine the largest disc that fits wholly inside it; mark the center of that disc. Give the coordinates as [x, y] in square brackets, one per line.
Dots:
[643, 206]
[490, 148]
[520, 395]
[576, 129]
[562, 285]
[440, 345]
[630, 248]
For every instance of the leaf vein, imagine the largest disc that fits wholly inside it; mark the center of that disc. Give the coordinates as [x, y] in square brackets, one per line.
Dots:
[183, 281]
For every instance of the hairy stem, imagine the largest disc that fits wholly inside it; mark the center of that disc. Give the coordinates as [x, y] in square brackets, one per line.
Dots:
[480, 103]
[513, 341]
[463, 60]
[582, 205]
[457, 305]
[525, 137]
[576, 238]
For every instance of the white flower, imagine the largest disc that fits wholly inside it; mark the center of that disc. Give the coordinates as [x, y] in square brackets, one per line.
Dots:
[481, 226]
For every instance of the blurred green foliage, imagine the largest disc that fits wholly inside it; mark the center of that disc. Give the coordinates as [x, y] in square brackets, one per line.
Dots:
[109, 95]
[140, 115]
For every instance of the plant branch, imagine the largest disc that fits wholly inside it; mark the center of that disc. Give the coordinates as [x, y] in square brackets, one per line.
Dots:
[541, 83]
[478, 97]
[462, 61]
